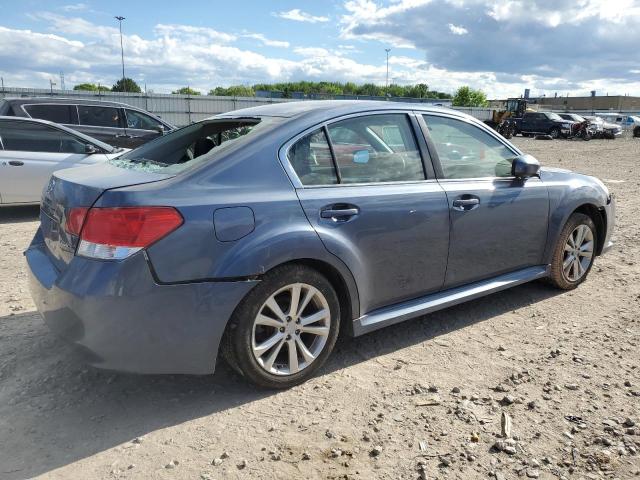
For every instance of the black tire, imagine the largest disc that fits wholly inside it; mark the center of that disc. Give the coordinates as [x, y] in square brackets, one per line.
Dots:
[237, 342]
[636, 132]
[557, 276]
[554, 133]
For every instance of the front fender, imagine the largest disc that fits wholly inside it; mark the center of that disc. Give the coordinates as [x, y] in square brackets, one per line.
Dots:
[568, 192]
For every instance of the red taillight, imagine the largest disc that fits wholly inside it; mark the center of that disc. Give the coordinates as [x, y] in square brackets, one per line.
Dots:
[75, 219]
[129, 226]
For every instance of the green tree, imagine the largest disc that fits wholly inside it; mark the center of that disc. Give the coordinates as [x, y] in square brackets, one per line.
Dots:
[91, 87]
[233, 91]
[186, 91]
[126, 85]
[468, 97]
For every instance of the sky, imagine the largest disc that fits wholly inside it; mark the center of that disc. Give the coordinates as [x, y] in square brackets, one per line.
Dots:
[502, 46]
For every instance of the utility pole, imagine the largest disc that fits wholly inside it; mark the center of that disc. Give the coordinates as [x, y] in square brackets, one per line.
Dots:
[387, 83]
[120, 19]
[51, 84]
[61, 80]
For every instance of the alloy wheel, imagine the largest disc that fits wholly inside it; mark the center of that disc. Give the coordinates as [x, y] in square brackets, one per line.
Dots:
[291, 329]
[578, 253]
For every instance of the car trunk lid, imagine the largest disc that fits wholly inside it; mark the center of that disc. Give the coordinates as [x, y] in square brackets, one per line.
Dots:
[80, 187]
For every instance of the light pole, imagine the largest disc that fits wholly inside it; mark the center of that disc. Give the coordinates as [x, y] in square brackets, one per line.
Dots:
[120, 19]
[387, 84]
[51, 84]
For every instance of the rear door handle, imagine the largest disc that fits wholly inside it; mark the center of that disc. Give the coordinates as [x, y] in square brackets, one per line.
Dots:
[16, 163]
[339, 214]
[465, 204]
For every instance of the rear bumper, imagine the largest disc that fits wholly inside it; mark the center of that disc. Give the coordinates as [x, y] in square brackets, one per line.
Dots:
[122, 320]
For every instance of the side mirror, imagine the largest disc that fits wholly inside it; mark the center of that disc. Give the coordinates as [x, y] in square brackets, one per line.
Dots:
[160, 129]
[90, 149]
[525, 166]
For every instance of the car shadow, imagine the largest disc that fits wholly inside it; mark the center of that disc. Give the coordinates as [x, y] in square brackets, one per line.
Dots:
[19, 214]
[58, 411]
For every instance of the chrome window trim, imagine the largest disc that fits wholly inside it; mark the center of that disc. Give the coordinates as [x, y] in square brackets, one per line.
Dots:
[293, 176]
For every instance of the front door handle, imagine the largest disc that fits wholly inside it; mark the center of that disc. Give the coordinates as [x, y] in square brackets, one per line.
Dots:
[466, 204]
[338, 214]
[16, 163]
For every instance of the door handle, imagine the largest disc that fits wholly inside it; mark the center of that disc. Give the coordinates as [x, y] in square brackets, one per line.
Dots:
[16, 163]
[339, 214]
[466, 204]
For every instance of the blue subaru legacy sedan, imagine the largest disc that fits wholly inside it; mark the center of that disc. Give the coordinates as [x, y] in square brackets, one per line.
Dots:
[262, 233]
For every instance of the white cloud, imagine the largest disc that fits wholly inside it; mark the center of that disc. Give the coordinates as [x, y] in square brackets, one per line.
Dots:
[265, 41]
[298, 15]
[75, 7]
[457, 30]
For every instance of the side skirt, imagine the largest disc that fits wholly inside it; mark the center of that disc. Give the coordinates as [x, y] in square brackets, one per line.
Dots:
[386, 316]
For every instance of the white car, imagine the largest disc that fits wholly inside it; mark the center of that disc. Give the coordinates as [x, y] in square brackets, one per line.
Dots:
[31, 150]
[626, 122]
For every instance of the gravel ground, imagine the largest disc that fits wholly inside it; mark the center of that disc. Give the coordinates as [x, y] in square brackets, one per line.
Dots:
[428, 398]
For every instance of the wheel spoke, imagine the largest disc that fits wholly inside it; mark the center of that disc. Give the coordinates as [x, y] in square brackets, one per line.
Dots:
[275, 308]
[268, 363]
[567, 262]
[307, 298]
[571, 241]
[307, 355]
[261, 349]
[576, 269]
[295, 299]
[268, 321]
[580, 233]
[293, 356]
[581, 268]
[314, 317]
[322, 331]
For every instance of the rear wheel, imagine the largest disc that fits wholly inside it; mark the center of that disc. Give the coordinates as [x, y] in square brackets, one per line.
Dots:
[285, 328]
[574, 253]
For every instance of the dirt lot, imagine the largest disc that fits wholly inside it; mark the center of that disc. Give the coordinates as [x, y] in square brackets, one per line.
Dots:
[423, 399]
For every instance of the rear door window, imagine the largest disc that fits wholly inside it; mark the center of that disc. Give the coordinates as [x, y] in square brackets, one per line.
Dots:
[98, 116]
[66, 114]
[36, 137]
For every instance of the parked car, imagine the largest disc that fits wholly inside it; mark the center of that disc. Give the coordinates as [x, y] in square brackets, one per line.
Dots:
[626, 122]
[31, 150]
[580, 125]
[240, 234]
[114, 123]
[604, 129]
[546, 123]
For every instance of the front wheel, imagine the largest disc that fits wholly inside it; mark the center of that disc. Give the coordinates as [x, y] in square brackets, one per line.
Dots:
[574, 253]
[636, 132]
[554, 132]
[285, 328]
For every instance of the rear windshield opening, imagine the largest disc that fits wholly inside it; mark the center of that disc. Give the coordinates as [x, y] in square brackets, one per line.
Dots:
[191, 145]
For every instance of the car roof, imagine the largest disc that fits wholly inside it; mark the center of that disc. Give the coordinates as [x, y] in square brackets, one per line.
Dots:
[84, 137]
[19, 101]
[314, 111]
[64, 100]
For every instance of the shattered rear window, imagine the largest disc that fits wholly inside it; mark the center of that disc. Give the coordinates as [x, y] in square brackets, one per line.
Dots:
[193, 145]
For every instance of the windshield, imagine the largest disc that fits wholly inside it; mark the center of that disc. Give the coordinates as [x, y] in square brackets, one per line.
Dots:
[194, 144]
[577, 118]
[554, 116]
